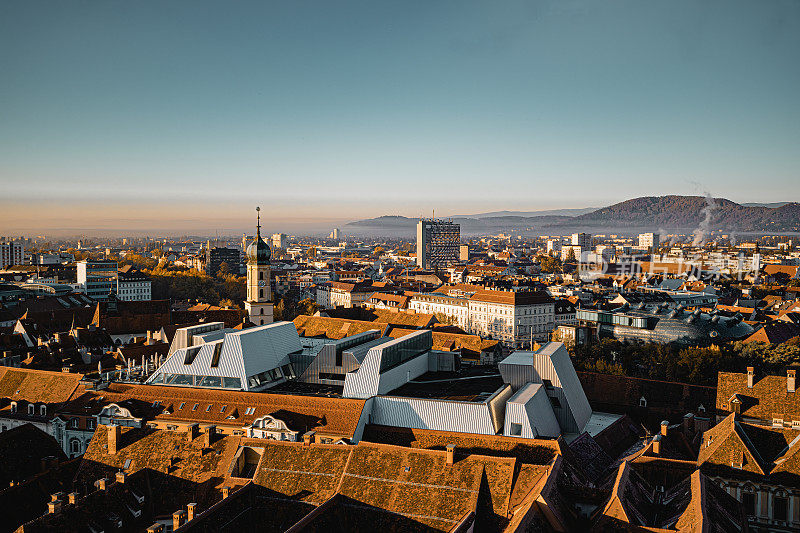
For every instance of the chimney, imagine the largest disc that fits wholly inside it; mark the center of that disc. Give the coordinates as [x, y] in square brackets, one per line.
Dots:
[790, 375]
[657, 444]
[156, 528]
[72, 497]
[121, 476]
[101, 483]
[688, 423]
[308, 438]
[208, 436]
[192, 431]
[56, 496]
[664, 427]
[114, 433]
[54, 507]
[190, 511]
[178, 519]
[750, 376]
[451, 450]
[226, 491]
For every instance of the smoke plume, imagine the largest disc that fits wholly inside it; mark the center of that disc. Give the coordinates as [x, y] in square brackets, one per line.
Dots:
[702, 231]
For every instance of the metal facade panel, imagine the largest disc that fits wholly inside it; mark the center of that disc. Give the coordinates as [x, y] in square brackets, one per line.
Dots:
[462, 417]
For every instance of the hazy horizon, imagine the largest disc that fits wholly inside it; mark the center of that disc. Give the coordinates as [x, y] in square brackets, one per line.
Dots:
[180, 117]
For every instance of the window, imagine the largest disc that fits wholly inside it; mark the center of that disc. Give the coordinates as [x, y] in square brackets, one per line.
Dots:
[208, 408]
[181, 405]
[75, 446]
[73, 423]
[749, 503]
[555, 402]
[31, 409]
[90, 423]
[260, 293]
[779, 508]
[216, 355]
[223, 408]
[195, 406]
[547, 384]
[516, 429]
[260, 275]
[642, 402]
[250, 410]
[43, 410]
[13, 407]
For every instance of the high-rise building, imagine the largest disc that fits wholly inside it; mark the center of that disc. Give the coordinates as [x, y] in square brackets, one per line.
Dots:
[11, 253]
[279, 240]
[437, 243]
[259, 305]
[97, 278]
[650, 241]
[584, 240]
[215, 257]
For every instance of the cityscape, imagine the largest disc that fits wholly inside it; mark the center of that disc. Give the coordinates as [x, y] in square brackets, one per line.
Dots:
[530, 267]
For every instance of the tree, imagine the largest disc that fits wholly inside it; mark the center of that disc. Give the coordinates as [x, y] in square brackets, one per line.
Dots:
[307, 306]
[571, 255]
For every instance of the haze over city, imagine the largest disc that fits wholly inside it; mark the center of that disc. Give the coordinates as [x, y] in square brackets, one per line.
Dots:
[179, 116]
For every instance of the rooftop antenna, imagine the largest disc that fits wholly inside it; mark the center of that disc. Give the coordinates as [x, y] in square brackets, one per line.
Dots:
[258, 223]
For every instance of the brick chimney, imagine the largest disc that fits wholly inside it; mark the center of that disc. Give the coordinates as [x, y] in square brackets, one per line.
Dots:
[156, 528]
[121, 477]
[192, 431]
[101, 483]
[790, 379]
[72, 497]
[750, 376]
[190, 511]
[308, 438]
[114, 433]
[178, 518]
[226, 491]
[54, 507]
[209, 435]
[664, 427]
[450, 449]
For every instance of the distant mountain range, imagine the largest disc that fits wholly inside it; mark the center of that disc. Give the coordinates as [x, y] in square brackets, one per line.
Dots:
[654, 212]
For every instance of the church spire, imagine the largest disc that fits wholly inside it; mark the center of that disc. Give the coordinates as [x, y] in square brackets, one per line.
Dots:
[258, 224]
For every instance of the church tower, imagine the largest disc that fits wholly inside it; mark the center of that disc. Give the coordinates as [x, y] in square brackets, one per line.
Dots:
[259, 292]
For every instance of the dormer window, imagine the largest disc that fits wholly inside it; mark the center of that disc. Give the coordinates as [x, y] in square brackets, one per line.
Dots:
[642, 402]
[31, 409]
[13, 407]
[43, 410]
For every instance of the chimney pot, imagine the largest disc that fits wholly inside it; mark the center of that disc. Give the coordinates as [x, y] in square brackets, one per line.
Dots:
[114, 433]
[121, 476]
[54, 507]
[664, 427]
[308, 438]
[72, 497]
[190, 511]
[450, 450]
[750, 376]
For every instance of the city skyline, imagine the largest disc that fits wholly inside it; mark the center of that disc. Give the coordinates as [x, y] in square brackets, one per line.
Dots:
[168, 116]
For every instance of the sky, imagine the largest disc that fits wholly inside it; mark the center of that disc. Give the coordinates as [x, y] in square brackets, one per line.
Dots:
[179, 115]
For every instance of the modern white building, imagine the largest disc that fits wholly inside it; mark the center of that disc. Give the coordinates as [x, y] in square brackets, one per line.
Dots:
[248, 360]
[649, 241]
[584, 240]
[11, 253]
[97, 278]
[279, 240]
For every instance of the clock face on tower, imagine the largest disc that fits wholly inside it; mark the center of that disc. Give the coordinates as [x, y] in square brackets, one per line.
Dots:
[262, 283]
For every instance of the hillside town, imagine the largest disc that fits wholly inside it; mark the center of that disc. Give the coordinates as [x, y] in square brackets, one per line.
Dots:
[496, 383]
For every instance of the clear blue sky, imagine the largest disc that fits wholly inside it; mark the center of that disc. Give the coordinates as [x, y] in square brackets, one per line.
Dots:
[354, 109]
